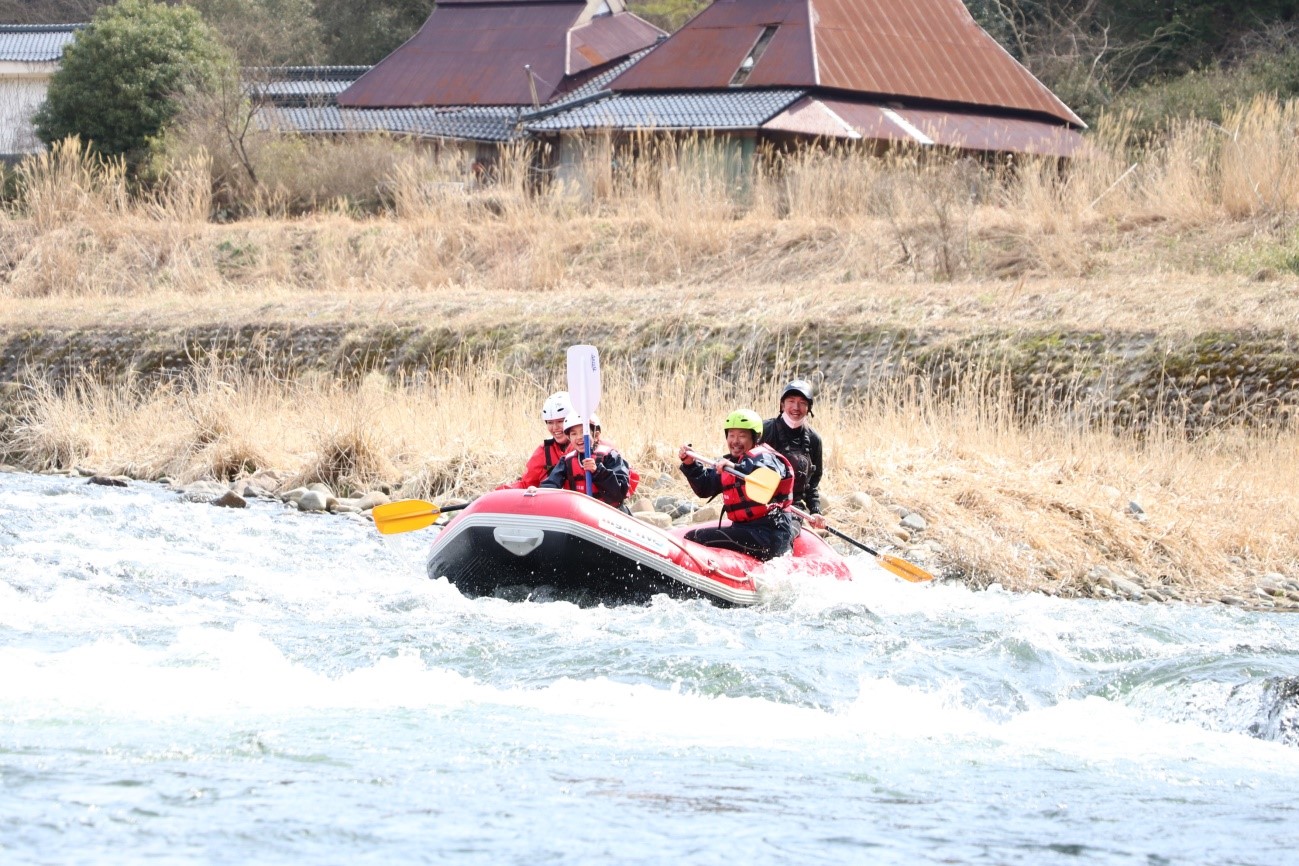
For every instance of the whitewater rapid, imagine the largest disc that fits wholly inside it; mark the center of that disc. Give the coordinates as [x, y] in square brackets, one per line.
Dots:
[184, 683]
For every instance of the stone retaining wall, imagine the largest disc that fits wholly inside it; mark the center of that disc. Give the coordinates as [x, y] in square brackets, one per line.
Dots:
[1126, 378]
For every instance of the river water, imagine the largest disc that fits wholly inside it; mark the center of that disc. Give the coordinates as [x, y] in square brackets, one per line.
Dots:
[187, 684]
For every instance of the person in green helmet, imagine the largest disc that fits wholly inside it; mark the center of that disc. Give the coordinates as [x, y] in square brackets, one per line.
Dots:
[763, 530]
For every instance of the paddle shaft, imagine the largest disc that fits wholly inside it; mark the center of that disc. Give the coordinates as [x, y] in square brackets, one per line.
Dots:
[830, 529]
[699, 458]
[901, 567]
[584, 391]
[761, 488]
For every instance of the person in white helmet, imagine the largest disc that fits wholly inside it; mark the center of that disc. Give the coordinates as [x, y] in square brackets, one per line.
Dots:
[610, 474]
[551, 451]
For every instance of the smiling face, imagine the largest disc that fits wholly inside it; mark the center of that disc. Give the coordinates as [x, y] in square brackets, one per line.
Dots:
[574, 435]
[556, 428]
[739, 441]
[796, 407]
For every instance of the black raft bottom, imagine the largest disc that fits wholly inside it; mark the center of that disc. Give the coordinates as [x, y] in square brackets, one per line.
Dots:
[561, 568]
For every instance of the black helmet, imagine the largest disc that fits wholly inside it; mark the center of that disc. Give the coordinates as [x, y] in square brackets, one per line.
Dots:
[802, 388]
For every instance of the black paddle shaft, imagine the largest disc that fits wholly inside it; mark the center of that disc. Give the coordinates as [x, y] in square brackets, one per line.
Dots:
[851, 540]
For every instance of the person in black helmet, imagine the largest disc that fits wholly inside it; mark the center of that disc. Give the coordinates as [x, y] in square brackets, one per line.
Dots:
[791, 435]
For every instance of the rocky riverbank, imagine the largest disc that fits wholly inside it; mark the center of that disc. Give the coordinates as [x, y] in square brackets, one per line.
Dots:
[1270, 591]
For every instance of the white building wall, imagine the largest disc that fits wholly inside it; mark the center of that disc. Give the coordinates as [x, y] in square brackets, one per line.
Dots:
[22, 91]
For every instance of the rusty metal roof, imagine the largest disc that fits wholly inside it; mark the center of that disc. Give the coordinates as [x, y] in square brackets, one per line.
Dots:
[929, 50]
[838, 118]
[608, 38]
[983, 132]
[497, 52]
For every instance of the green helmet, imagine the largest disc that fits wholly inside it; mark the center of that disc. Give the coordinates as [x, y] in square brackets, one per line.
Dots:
[744, 419]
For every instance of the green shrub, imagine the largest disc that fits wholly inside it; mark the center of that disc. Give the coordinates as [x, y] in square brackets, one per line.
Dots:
[120, 83]
[1209, 93]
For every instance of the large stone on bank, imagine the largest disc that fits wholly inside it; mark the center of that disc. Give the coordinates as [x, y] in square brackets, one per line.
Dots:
[314, 501]
[1130, 588]
[673, 507]
[640, 505]
[248, 490]
[654, 518]
[293, 496]
[859, 501]
[1120, 585]
[707, 514]
[914, 522]
[230, 500]
[267, 479]
[204, 492]
[371, 499]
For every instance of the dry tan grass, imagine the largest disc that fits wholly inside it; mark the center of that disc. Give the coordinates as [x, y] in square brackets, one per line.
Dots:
[1192, 235]
[1208, 202]
[1033, 507]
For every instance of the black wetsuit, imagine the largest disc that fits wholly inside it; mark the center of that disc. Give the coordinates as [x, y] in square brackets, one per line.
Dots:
[802, 448]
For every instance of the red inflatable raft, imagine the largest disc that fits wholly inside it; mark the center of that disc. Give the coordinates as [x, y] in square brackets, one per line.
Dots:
[521, 544]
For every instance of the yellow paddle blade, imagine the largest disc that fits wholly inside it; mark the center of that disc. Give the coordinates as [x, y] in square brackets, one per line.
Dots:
[404, 516]
[761, 483]
[903, 569]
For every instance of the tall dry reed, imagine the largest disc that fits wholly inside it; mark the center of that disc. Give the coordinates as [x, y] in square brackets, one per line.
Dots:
[662, 210]
[1031, 505]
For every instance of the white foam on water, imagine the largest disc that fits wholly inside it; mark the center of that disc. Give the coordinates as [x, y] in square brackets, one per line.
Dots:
[212, 672]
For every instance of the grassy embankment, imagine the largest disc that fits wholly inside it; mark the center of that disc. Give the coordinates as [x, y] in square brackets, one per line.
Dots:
[1191, 236]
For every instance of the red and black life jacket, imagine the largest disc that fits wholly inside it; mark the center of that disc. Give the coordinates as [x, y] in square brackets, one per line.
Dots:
[576, 474]
[735, 503]
[553, 454]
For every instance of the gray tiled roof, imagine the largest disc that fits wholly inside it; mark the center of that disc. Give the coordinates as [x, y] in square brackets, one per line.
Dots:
[301, 84]
[289, 89]
[725, 109]
[35, 43]
[482, 123]
[478, 123]
[599, 82]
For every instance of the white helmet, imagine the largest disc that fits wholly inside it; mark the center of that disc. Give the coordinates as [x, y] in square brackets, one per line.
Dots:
[557, 405]
[575, 420]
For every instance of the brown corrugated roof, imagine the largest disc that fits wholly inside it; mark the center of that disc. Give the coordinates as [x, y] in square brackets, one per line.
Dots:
[838, 118]
[495, 52]
[980, 132]
[812, 116]
[929, 50]
[607, 38]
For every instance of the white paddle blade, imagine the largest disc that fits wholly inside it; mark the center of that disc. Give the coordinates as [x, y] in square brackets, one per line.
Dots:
[584, 380]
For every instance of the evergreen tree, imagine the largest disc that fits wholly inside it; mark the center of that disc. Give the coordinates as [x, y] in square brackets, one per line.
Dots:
[120, 83]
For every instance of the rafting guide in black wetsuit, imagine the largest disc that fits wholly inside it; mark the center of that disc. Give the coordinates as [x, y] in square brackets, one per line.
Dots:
[791, 435]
